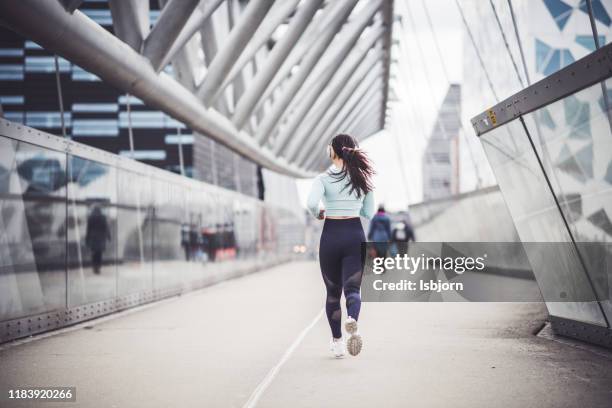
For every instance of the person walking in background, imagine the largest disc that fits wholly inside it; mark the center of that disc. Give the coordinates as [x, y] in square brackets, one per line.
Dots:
[96, 236]
[346, 191]
[380, 231]
[401, 235]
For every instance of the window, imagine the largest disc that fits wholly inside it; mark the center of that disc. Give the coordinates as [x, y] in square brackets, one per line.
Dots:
[95, 127]
[11, 100]
[45, 64]
[144, 154]
[79, 74]
[47, 119]
[174, 139]
[95, 107]
[11, 72]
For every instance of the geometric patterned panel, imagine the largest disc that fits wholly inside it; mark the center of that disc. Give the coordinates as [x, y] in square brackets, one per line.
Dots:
[578, 165]
[549, 60]
[577, 117]
[560, 12]
[603, 103]
[599, 11]
[584, 158]
[588, 42]
[545, 118]
[608, 176]
[601, 220]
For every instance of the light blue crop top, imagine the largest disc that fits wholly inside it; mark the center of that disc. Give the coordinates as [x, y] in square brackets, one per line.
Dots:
[337, 202]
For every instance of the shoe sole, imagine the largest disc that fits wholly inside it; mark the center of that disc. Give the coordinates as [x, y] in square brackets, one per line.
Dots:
[354, 344]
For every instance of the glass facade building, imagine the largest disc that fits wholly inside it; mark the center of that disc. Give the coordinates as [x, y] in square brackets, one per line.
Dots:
[440, 160]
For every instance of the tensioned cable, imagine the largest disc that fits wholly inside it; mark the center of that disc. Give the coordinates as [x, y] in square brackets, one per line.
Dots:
[503, 34]
[129, 118]
[58, 84]
[604, 87]
[180, 150]
[480, 60]
[444, 69]
[414, 113]
[132, 156]
[413, 110]
[430, 86]
[519, 42]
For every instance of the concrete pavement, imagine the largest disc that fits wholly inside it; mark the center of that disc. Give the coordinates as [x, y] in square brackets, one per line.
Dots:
[245, 340]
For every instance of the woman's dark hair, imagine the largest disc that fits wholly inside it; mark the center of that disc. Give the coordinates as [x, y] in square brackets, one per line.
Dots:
[356, 165]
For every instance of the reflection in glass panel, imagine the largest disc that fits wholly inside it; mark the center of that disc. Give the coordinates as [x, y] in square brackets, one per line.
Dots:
[92, 234]
[134, 232]
[559, 272]
[170, 255]
[32, 229]
[576, 145]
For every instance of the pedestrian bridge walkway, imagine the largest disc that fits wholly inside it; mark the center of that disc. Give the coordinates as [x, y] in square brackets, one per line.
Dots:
[261, 340]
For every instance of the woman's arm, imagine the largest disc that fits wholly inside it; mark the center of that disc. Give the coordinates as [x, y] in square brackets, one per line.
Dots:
[367, 208]
[314, 198]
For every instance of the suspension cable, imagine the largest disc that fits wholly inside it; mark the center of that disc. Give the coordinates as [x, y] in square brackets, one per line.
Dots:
[473, 41]
[443, 64]
[130, 132]
[519, 42]
[180, 150]
[58, 84]
[503, 34]
[139, 217]
[431, 93]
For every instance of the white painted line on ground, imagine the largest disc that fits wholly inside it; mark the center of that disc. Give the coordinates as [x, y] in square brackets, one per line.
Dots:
[265, 383]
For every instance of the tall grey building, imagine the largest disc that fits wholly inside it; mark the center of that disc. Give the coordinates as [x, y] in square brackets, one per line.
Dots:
[440, 161]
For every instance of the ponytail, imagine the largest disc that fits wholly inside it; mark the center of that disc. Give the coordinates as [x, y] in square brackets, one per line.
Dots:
[356, 165]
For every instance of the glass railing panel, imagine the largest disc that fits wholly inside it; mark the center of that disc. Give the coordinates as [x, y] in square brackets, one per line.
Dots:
[574, 138]
[32, 225]
[92, 231]
[536, 215]
[135, 232]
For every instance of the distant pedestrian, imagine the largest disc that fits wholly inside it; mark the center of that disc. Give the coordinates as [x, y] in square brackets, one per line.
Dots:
[380, 232]
[96, 237]
[401, 235]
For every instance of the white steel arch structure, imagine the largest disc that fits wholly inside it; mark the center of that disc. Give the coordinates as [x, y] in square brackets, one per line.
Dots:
[270, 79]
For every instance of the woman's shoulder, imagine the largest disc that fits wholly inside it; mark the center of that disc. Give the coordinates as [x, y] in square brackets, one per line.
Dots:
[324, 176]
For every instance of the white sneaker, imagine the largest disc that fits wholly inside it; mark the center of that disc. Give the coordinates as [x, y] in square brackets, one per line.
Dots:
[354, 342]
[337, 348]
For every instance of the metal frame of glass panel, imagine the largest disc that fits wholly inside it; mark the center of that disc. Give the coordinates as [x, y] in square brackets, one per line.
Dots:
[576, 78]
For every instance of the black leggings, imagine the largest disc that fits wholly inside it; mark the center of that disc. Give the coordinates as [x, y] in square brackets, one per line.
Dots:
[341, 267]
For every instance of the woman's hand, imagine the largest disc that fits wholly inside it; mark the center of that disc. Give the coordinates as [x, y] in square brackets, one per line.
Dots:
[321, 215]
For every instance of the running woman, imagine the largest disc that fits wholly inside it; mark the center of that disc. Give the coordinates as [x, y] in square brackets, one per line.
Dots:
[346, 191]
